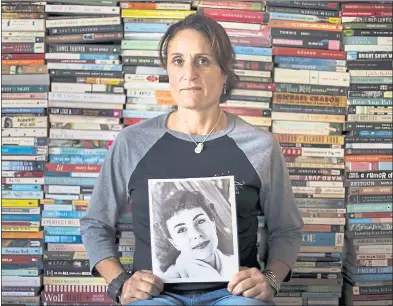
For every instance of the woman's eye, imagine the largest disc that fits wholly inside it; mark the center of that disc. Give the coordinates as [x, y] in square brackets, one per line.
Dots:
[181, 230]
[201, 221]
[177, 61]
[203, 61]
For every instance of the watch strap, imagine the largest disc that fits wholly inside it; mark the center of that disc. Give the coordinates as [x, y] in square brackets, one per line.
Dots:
[272, 280]
[116, 285]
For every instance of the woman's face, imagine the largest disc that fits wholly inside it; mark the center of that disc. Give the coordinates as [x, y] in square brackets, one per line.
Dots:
[193, 233]
[195, 78]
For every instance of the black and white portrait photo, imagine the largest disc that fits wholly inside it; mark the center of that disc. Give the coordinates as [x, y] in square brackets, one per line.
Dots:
[193, 229]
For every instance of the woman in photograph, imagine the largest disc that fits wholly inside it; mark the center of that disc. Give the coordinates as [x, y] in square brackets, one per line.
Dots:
[197, 140]
[188, 223]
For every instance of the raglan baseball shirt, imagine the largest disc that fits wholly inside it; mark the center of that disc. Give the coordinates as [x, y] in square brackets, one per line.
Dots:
[149, 150]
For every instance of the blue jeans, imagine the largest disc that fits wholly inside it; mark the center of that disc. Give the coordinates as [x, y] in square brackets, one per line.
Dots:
[221, 297]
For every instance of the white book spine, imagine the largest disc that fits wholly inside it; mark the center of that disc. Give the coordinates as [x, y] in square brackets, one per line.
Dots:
[82, 9]
[80, 22]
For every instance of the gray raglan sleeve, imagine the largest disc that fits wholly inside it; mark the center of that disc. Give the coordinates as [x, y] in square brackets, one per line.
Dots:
[283, 220]
[110, 194]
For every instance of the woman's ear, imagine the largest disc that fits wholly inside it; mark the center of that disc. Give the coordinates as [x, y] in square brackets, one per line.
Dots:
[173, 243]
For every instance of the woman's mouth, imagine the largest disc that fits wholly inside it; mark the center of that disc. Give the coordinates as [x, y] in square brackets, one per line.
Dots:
[194, 88]
[202, 245]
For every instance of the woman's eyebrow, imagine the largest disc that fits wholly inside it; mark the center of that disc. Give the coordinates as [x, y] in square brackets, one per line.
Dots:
[180, 224]
[197, 216]
[197, 54]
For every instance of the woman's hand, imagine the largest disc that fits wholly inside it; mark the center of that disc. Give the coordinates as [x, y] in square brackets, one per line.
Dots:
[142, 285]
[251, 283]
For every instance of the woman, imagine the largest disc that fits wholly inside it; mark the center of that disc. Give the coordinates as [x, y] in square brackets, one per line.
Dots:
[189, 223]
[198, 140]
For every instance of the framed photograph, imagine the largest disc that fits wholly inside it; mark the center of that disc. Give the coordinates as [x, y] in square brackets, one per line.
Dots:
[193, 229]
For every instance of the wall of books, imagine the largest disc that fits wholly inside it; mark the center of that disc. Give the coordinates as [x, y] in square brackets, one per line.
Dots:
[317, 74]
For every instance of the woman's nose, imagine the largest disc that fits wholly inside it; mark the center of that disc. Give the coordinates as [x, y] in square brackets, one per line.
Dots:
[189, 71]
[194, 233]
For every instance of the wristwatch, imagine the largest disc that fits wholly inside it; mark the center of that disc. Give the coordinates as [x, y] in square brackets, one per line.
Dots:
[272, 280]
[116, 285]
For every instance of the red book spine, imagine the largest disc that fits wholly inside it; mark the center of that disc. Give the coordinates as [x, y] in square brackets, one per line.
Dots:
[28, 174]
[20, 259]
[263, 33]
[131, 121]
[372, 297]
[250, 41]
[367, 6]
[37, 56]
[254, 85]
[235, 15]
[244, 111]
[366, 13]
[76, 297]
[282, 51]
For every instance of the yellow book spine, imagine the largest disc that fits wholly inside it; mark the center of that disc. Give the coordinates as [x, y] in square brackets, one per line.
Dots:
[19, 203]
[20, 228]
[127, 13]
[78, 281]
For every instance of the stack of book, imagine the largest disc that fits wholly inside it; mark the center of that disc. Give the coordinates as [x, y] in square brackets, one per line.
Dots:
[85, 109]
[368, 154]
[24, 93]
[146, 82]
[308, 114]
[246, 25]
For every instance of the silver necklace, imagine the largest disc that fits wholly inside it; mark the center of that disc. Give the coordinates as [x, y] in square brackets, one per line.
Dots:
[199, 146]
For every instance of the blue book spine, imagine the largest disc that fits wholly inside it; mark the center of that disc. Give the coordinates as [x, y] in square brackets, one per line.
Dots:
[360, 40]
[64, 231]
[322, 239]
[21, 251]
[252, 50]
[19, 272]
[24, 88]
[145, 27]
[25, 195]
[63, 239]
[6, 266]
[353, 55]
[21, 163]
[141, 114]
[308, 61]
[79, 151]
[24, 187]
[22, 168]
[101, 67]
[77, 159]
[70, 181]
[16, 150]
[58, 174]
[370, 101]
[308, 67]
[372, 207]
[59, 207]
[62, 214]
[372, 80]
[371, 270]
[375, 133]
[360, 220]
[21, 217]
[93, 56]
[371, 277]
[23, 110]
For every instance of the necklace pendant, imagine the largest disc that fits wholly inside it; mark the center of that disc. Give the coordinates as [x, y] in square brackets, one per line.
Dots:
[198, 149]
